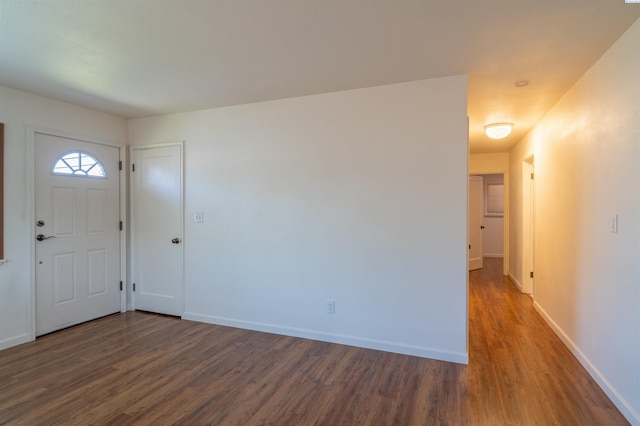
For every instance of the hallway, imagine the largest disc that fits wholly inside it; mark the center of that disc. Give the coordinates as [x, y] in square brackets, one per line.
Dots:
[138, 369]
[523, 371]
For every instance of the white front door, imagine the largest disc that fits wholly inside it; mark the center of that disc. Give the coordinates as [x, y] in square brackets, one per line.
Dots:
[157, 229]
[476, 213]
[77, 248]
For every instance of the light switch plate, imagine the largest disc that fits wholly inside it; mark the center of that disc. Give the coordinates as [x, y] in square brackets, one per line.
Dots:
[198, 217]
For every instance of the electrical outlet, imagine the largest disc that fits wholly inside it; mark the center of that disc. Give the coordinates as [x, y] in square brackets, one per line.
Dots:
[331, 306]
[198, 217]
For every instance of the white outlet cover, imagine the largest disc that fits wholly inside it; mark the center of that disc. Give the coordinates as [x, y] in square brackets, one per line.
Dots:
[331, 306]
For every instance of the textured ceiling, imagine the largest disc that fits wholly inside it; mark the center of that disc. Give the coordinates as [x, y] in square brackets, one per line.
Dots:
[136, 58]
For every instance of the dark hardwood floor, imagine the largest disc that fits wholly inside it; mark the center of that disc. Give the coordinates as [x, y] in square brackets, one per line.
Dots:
[139, 368]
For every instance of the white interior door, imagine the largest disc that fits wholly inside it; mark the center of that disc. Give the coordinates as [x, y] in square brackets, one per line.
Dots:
[476, 213]
[77, 248]
[157, 225]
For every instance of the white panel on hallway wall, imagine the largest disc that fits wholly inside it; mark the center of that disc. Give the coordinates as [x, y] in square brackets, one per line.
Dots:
[330, 197]
[492, 243]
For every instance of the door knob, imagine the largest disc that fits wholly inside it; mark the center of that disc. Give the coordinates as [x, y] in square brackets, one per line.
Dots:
[482, 227]
[176, 241]
[41, 237]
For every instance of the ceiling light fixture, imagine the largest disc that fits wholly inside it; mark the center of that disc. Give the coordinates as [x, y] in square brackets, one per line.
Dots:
[521, 83]
[498, 130]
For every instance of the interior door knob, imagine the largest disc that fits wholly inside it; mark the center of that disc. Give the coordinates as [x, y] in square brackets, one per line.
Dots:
[41, 237]
[176, 241]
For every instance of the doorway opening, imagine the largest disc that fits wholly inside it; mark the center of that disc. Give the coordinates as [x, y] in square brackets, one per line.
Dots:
[486, 218]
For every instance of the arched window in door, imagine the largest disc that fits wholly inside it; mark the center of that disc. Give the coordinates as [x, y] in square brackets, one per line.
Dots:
[78, 163]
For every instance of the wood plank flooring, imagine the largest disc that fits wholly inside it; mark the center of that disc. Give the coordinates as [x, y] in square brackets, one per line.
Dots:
[144, 369]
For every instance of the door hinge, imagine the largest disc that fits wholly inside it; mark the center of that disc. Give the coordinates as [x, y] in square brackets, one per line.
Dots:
[121, 225]
[133, 167]
[532, 176]
[120, 285]
[531, 274]
[469, 246]
[120, 164]
[134, 286]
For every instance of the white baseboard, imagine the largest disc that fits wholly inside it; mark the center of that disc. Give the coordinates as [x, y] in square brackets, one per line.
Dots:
[14, 341]
[516, 282]
[442, 355]
[625, 408]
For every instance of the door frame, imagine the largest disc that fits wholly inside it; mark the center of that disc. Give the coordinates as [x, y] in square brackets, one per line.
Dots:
[469, 230]
[31, 213]
[528, 225]
[132, 257]
[506, 217]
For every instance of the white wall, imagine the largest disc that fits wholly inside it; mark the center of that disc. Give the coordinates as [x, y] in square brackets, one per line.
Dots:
[587, 278]
[522, 151]
[18, 110]
[357, 196]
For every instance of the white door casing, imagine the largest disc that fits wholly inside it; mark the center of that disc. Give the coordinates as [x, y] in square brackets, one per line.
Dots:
[157, 228]
[475, 215]
[78, 269]
[527, 226]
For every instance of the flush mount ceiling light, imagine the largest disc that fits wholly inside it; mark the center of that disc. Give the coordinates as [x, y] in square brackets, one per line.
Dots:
[498, 130]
